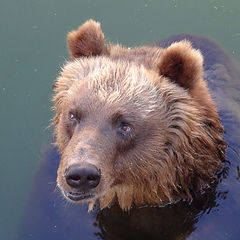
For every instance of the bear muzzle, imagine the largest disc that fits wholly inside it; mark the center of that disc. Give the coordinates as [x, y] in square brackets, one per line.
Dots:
[81, 179]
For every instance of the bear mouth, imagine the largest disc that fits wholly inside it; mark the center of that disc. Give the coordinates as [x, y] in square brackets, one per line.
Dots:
[78, 196]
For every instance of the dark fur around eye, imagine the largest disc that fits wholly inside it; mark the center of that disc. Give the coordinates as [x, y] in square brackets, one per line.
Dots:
[125, 139]
[74, 116]
[124, 129]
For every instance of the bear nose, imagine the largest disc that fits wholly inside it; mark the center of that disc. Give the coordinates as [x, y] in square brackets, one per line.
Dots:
[83, 178]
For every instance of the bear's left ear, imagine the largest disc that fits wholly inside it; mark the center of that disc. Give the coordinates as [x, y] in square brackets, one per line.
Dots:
[88, 40]
[181, 64]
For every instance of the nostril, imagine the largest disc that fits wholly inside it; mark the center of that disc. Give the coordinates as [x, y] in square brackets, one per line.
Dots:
[75, 177]
[73, 180]
[92, 177]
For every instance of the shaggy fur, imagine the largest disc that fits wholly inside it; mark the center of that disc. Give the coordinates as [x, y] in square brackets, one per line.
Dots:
[175, 147]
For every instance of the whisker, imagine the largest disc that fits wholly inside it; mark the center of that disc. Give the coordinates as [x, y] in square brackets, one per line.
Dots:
[52, 182]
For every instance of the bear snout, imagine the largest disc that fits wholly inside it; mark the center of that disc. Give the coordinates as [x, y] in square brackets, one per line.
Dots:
[82, 178]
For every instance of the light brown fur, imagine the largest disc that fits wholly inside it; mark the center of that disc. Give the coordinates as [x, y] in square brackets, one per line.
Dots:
[176, 147]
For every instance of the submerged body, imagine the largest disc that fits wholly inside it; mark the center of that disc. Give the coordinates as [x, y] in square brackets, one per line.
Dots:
[134, 125]
[48, 216]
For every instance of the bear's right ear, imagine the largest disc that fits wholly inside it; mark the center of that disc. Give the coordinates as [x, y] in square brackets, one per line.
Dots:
[88, 40]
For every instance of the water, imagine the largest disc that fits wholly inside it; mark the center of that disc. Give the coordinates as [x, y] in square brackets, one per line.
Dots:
[32, 51]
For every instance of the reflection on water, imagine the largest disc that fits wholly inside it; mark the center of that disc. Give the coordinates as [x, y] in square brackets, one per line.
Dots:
[213, 215]
[176, 221]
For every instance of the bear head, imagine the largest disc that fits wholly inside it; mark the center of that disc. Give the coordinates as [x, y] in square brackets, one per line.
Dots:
[134, 126]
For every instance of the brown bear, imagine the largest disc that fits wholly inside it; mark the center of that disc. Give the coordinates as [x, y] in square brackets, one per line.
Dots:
[134, 126]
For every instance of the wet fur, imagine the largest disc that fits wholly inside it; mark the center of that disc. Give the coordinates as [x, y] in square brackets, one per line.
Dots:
[177, 147]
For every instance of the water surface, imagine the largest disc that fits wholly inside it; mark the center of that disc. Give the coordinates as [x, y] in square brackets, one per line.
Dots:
[32, 51]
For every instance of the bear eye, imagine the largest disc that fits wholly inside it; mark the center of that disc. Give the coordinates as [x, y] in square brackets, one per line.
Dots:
[125, 129]
[72, 116]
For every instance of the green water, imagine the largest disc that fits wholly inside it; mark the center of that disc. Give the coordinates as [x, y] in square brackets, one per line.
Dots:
[32, 43]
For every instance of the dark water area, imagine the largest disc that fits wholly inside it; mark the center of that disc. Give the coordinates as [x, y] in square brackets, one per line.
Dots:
[32, 51]
[213, 215]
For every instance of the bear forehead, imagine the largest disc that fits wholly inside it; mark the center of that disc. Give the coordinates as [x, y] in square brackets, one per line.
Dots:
[110, 82]
[107, 72]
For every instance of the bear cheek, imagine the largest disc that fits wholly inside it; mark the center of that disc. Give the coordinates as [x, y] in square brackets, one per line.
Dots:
[62, 135]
